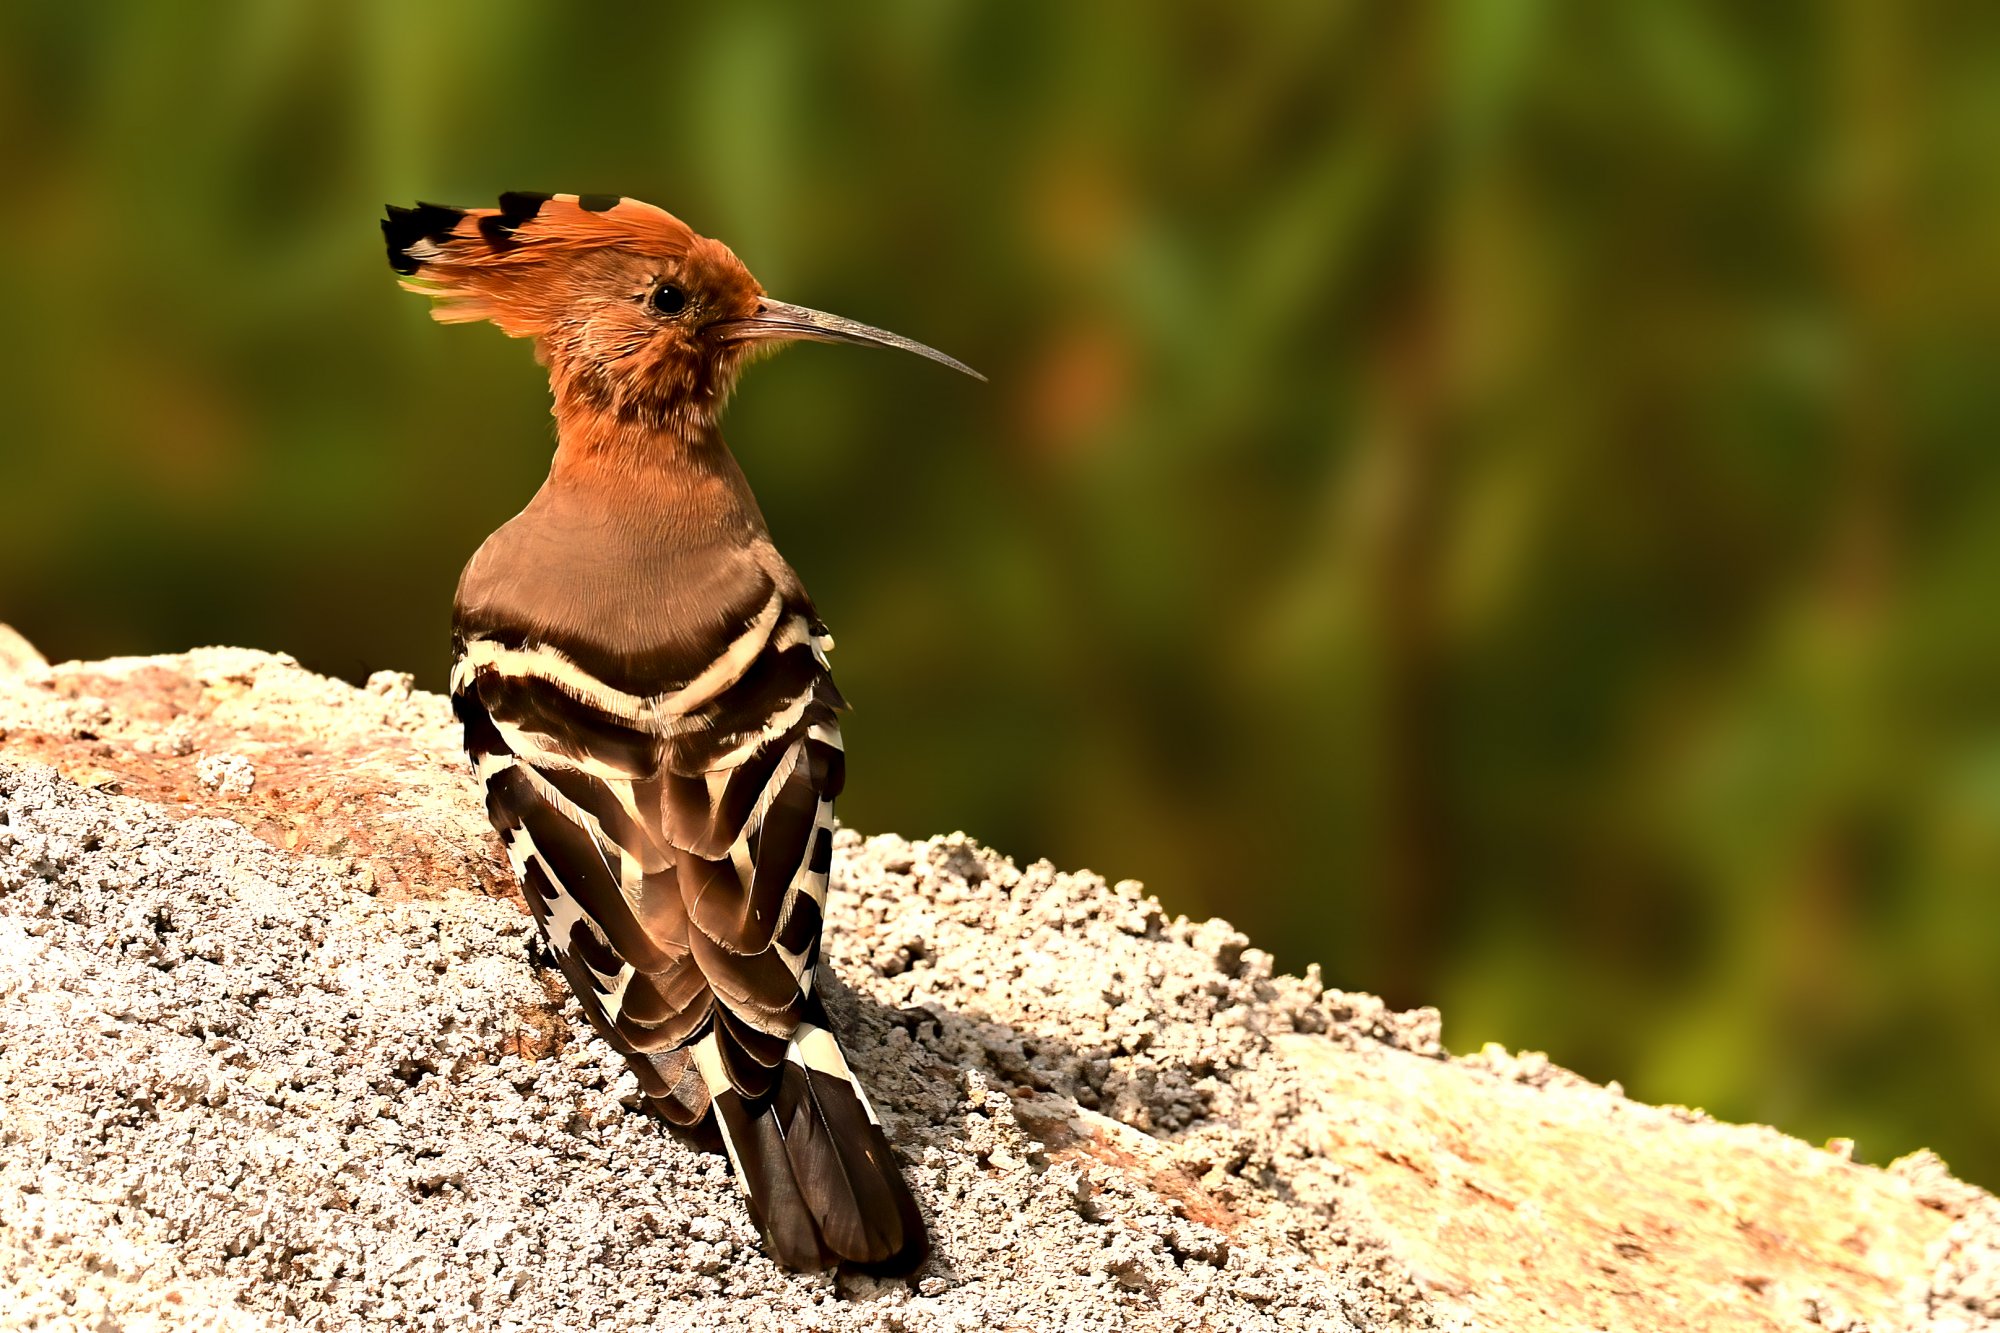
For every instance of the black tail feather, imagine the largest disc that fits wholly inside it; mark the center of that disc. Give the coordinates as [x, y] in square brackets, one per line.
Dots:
[765, 1171]
[826, 1134]
[824, 1187]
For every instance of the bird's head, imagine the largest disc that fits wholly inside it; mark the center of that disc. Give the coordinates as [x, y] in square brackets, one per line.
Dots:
[635, 315]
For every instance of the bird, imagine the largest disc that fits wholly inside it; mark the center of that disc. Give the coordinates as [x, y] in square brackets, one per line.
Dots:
[644, 689]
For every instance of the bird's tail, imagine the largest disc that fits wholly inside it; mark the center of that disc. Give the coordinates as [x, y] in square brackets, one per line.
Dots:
[813, 1163]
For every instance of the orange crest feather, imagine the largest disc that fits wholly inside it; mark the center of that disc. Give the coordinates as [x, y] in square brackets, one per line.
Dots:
[496, 263]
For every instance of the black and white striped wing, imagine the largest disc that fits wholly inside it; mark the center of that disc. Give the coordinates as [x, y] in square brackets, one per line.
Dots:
[675, 847]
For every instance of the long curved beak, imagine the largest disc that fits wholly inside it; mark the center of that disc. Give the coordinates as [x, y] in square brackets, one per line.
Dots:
[777, 321]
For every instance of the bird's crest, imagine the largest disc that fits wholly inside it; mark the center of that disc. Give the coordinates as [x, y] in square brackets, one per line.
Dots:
[495, 263]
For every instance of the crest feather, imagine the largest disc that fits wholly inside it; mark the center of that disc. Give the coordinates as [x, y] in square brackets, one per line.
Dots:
[499, 263]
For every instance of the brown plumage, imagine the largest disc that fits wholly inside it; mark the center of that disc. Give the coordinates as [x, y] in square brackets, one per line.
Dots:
[644, 688]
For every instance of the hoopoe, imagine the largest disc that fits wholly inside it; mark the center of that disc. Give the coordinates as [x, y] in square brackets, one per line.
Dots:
[644, 688]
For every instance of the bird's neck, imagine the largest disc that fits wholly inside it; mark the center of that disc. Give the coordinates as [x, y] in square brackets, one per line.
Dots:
[672, 478]
[631, 437]
[629, 420]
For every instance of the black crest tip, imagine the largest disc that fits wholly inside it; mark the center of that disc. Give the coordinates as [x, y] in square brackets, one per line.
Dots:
[404, 227]
[520, 206]
[399, 258]
[497, 232]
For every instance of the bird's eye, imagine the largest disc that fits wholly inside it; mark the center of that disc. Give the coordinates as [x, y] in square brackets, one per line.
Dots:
[668, 299]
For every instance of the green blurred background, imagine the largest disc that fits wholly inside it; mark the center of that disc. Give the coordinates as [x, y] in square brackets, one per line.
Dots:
[1499, 498]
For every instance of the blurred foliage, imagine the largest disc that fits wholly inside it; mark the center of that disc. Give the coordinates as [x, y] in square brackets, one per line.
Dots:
[1498, 497]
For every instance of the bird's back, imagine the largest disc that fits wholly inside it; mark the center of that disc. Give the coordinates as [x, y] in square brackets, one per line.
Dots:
[647, 702]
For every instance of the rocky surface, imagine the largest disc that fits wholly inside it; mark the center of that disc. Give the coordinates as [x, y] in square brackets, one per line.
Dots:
[277, 1049]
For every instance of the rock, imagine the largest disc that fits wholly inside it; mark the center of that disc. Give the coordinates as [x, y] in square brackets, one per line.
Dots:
[370, 778]
[17, 655]
[281, 1054]
[226, 774]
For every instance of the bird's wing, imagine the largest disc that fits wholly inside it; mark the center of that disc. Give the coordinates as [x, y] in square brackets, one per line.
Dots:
[675, 845]
[675, 848]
